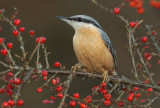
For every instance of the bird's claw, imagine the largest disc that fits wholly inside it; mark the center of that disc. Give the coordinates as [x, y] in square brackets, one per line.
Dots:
[105, 76]
[78, 67]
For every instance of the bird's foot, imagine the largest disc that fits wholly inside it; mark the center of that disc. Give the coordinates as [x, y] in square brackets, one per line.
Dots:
[78, 67]
[105, 76]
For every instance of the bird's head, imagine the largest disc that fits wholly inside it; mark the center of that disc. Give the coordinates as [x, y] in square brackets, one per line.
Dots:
[79, 21]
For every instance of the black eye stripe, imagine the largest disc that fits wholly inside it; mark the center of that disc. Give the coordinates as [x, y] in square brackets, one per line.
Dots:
[85, 21]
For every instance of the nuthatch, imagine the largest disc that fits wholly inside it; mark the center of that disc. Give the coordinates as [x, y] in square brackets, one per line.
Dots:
[92, 45]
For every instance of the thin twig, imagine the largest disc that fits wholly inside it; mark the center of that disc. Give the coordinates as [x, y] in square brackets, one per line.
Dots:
[151, 101]
[132, 56]
[46, 56]
[142, 60]
[153, 40]
[11, 67]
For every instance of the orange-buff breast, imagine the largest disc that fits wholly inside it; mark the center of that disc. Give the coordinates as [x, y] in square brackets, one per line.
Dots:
[92, 51]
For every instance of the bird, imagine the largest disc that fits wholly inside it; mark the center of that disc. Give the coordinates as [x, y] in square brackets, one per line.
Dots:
[92, 46]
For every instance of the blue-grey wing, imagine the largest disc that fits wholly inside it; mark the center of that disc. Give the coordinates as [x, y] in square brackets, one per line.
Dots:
[110, 46]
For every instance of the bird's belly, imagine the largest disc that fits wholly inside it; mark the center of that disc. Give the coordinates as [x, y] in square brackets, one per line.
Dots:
[93, 54]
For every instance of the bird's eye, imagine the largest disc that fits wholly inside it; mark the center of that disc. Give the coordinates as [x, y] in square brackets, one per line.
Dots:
[79, 19]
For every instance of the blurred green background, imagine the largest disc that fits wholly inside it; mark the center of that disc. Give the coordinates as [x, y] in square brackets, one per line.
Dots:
[40, 15]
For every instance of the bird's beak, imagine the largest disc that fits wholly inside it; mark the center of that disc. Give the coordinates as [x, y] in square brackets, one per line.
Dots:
[62, 18]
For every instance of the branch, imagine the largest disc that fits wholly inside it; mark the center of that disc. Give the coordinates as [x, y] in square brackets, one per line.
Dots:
[152, 38]
[122, 80]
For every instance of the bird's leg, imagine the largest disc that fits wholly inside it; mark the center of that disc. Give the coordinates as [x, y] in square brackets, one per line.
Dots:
[78, 67]
[105, 76]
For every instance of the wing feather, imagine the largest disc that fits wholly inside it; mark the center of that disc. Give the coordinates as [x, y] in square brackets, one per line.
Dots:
[110, 46]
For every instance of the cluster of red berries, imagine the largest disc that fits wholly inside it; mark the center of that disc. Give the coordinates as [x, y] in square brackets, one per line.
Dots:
[5, 51]
[45, 72]
[103, 89]
[9, 89]
[73, 103]
[138, 4]
[133, 24]
[11, 103]
[59, 89]
[155, 4]
[17, 22]
[138, 95]
[41, 39]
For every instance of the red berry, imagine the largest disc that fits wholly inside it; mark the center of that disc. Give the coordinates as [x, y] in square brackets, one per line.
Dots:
[130, 98]
[11, 102]
[73, 103]
[17, 21]
[140, 65]
[45, 73]
[10, 45]
[59, 89]
[10, 74]
[5, 104]
[16, 32]
[60, 95]
[138, 95]
[2, 90]
[22, 29]
[154, 32]
[108, 96]
[4, 52]
[150, 89]
[136, 88]
[107, 102]
[34, 76]
[121, 104]
[45, 77]
[104, 92]
[57, 64]
[39, 90]
[104, 84]
[89, 99]
[46, 101]
[17, 81]
[132, 24]
[1, 40]
[132, 4]
[132, 94]
[32, 32]
[116, 10]
[0, 29]
[141, 10]
[20, 102]
[144, 39]
[147, 81]
[153, 3]
[83, 105]
[76, 95]
[42, 39]
[52, 97]
[54, 81]
[148, 56]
